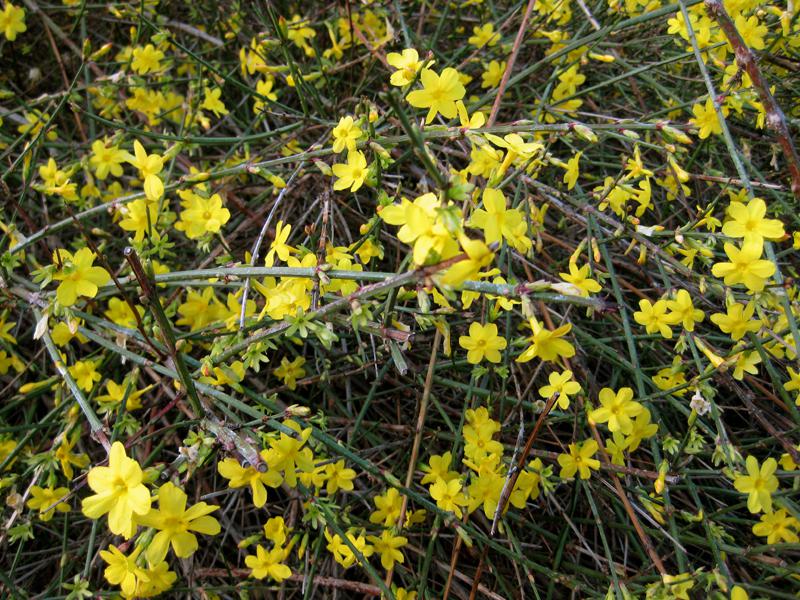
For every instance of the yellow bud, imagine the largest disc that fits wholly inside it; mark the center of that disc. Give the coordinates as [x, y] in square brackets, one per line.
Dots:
[301, 549]
[584, 132]
[199, 177]
[673, 133]
[295, 410]
[715, 359]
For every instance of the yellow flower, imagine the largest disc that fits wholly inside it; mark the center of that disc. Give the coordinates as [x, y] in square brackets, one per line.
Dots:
[561, 384]
[139, 216]
[290, 370]
[497, 221]
[201, 309]
[705, 119]
[476, 121]
[738, 321]
[122, 570]
[778, 527]
[35, 122]
[5, 327]
[240, 476]
[746, 363]
[745, 266]
[752, 31]
[616, 409]
[67, 458]
[407, 64]
[119, 491]
[640, 430]
[116, 392]
[682, 310]
[346, 134]
[342, 553]
[448, 496]
[739, 593]
[275, 530]
[793, 385]
[154, 581]
[517, 148]
[483, 35]
[759, 483]
[439, 93]
[175, 524]
[387, 508]
[12, 21]
[678, 586]
[482, 342]
[571, 79]
[77, 275]
[149, 166]
[579, 278]
[748, 222]
[615, 447]
[212, 102]
[106, 159]
[352, 173]
[47, 501]
[484, 160]
[298, 31]
[6, 448]
[267, 564]
[338, 477]
[404, 594]
[85, 374]
[146, 59]
[572, 170]
[120, 313]
[201, 216]
[438, 467]
[478, 256]
[579, 460]
[491, 77]
[654, 317]
[264, 88]
[527, 486]
[388, 545]
[486, 487]
[416, 219]
[286, 453]
[547, 344]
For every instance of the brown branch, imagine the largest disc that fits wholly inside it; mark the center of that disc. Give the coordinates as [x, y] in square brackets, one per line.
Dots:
[644, 538]
[746, 59]
[512, 58]
[342, 584]
[412, 461]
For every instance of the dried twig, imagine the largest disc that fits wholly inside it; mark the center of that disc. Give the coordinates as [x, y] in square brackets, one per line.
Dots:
[512, 58]
[745, 58]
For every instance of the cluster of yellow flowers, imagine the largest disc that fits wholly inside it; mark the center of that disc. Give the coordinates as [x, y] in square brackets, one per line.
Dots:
[120, 493]
[488, 474]
[457, 228]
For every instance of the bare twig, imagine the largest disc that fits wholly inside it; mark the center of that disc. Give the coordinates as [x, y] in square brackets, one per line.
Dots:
[745, 58]
[512, 58]
[423, 411]
[260, 239]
